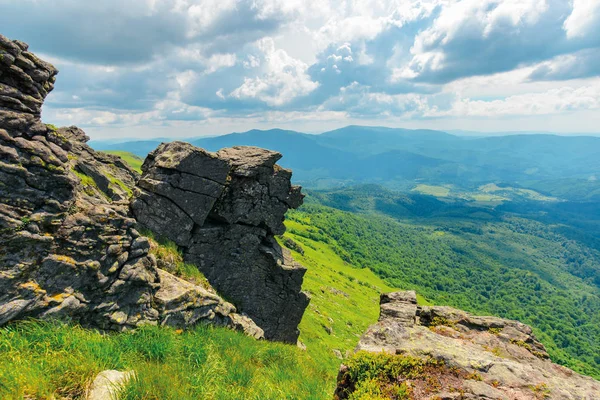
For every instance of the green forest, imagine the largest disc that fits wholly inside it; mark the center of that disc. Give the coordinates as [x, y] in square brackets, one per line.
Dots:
[483, 261]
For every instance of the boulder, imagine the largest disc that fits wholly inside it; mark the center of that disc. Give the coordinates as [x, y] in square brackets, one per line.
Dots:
[108, 384]
[223, 210]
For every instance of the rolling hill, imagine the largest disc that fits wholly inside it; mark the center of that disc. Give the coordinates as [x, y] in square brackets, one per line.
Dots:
[567, 167]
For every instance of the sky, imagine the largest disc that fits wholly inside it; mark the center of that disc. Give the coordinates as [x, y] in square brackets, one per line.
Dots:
[182, 68]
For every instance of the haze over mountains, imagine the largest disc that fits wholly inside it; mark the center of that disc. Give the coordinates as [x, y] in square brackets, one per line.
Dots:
[400, 158]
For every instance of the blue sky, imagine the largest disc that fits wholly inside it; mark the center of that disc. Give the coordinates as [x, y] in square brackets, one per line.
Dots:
[177, 68]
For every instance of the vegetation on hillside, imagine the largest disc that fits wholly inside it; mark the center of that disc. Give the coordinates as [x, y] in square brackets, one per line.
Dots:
[134, 161]
[511, 260]
[50, 360]
[42, 360]
[483, 262]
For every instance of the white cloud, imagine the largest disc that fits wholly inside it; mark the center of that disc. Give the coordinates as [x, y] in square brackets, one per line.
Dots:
[554, 101]
[284, 78]
[131, 63]
[584, 19]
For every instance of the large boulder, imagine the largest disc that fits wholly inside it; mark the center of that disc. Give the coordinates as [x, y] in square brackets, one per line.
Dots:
[223, 210]
[450, 354]
[68, 245]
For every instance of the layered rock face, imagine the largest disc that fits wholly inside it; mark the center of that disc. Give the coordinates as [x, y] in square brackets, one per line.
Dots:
[483, 357]
[223, 210]
[68, 247]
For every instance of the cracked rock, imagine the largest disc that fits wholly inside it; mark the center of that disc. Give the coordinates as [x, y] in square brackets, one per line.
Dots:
[223, 210]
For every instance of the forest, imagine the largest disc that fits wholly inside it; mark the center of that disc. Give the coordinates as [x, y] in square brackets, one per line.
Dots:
[485, 261]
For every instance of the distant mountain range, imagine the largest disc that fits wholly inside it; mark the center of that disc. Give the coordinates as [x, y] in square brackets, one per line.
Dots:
[400, 158]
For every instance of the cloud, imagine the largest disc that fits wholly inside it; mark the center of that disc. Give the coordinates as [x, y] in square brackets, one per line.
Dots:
[283, 79]
[164, 62]
[478, 37]
[137, 31]
[584, 21]
[561, 100]
[583, 64]
[360, 101]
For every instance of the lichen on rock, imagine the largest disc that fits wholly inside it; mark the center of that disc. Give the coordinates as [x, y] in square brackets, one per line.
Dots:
[473, 357]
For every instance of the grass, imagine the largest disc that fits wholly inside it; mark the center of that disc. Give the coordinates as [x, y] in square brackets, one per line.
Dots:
[134, 161]
[86, 180]
[374, 376]
[41, 359]
[48, 360]
[170, 259]
[344, 298]
[117, 182]
[432, 190]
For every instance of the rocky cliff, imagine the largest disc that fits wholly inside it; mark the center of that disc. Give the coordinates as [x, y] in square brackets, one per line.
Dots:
[223, 210]
[69, 246]
[443, 353]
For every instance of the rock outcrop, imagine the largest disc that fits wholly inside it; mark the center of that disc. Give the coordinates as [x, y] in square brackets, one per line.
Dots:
[473, 357]
[68, 245]
[223, 210]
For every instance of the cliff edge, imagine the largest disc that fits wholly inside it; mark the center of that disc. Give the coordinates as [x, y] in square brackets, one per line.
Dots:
[422, 352]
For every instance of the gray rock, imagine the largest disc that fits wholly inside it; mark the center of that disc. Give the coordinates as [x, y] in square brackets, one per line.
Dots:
[223, 210]
[183, 304]
[489, 357]
[107, 385]
[68, 247]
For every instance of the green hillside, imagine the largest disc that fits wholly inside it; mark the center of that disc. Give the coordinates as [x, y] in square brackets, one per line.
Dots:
[42, 360]
[134, 161]
[483, 262]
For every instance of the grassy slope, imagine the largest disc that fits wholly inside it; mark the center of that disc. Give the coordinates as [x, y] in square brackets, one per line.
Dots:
[45, 360]
[134, 161]
[513, 268]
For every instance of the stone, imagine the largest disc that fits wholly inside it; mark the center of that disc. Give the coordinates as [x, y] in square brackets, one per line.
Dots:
[223, 210]
[107, 384]
[487, 357]
[68, 244]
[184, 304]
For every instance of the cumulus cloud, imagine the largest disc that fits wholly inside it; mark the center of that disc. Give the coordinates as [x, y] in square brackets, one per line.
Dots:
[554, 101]
[478, 37]
[284, 78]
[360, 101]
[161, 62]
[582, 64]
[584, 21]
[136, 31]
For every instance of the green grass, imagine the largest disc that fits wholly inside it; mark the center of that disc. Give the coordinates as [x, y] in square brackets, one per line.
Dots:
[510, 267]
[170, 258]
[134, 161]
[117, 182]
[344, 298]
[432, 190]
[42, 360]
[86, 180]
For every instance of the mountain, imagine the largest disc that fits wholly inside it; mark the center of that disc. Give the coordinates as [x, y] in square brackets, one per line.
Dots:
[536, 265]
[167, 278]
[139, 148]
[375, 140]
[562, 166]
